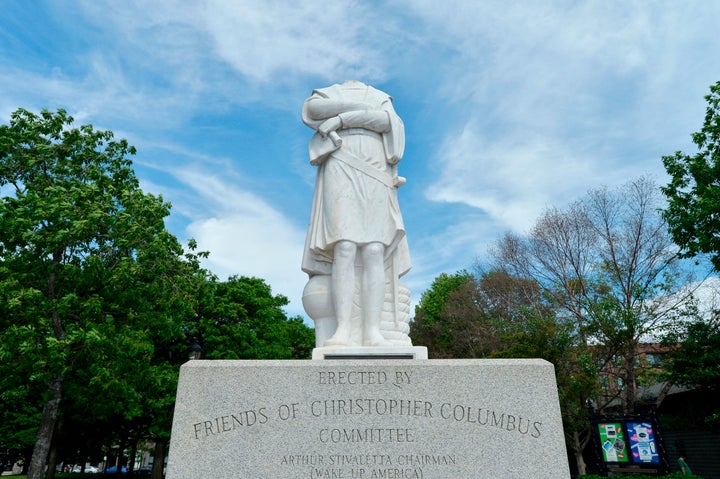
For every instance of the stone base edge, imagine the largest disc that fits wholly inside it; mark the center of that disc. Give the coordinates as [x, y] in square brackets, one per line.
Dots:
[366, 352]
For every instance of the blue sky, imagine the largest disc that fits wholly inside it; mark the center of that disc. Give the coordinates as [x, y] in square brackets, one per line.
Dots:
[509, 107]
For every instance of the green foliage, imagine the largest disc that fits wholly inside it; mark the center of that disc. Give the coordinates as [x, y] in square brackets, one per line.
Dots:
[448, 320]
[89, 277]
[242, 319]
[608, 265]
[692, 214]
[433, 301]
[693, 192]
[696, 362]
[98, 297]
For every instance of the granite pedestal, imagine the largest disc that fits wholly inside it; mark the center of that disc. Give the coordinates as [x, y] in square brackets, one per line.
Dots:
[364, 419]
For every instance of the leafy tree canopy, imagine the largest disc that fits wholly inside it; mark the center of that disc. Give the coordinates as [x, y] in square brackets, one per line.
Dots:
[697, 361]
[693, 211]
[241, 319]
[98, 300]
[86, 267]
[443, 311]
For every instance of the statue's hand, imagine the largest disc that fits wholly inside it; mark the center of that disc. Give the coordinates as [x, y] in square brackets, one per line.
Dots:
[331, 124]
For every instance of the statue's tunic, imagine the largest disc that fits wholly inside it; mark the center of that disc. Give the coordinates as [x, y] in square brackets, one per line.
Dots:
[355, 196]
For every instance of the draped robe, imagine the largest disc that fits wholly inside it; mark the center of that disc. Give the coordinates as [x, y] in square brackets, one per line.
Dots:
[355, 197]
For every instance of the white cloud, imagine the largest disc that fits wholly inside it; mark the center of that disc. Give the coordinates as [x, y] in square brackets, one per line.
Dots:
[250, 245]
[265, 39]
[245, 235]
[549, 99]
[520, 105]
[512, 180]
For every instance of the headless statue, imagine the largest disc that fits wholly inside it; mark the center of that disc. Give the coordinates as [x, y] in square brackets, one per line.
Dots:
[356, 234]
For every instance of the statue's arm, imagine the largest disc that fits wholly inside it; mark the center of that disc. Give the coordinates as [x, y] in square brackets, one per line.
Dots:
[377, 121]
[318, 108]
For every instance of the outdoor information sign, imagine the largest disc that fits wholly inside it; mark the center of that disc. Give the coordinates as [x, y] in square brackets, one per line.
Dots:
[642, 442]
[628, 443]
[614, 445]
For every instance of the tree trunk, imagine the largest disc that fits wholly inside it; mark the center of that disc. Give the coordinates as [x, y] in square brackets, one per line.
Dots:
[159, 459]
[50, 410]
[131, 459]
[628, 374]
[121, 455]
[26, 455]
[52, 460]
[577, 446]
[663, 394]
[45, 432]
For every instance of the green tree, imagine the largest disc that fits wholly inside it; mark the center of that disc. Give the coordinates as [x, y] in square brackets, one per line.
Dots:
[548, 337]
[448, 321]
[499, 315]
[242, 319]
[464, 316]
[526, 322]
[87, 268]
[693, 193]
[514, 305]
[693, 216]
[696, 362]
[608, 264]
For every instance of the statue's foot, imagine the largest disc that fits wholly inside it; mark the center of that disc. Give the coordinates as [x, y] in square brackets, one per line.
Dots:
[340, 338]
[376, 340]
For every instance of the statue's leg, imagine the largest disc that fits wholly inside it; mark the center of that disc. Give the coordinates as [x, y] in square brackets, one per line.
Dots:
[373, 293]
[343, 289]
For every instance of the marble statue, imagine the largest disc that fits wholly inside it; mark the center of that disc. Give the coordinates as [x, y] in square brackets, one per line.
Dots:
[356, 247]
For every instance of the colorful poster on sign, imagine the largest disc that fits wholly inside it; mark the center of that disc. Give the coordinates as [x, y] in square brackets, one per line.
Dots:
[612, 439]
[642, 442]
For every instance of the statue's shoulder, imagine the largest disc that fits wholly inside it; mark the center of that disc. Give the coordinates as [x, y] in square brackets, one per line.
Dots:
[370, 91]
[353, 90]
[332, 91]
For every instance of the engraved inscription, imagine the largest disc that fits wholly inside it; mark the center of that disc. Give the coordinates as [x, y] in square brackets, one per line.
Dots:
[332, 378]
[373, 431]
[362, 473]
[370, 406]
[352, 377]
[446, 411]
[230, 422]
[487, 417]
[368, 466]
[366, 435]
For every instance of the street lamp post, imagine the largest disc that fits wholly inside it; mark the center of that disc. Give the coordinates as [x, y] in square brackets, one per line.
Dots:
[195, 350]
